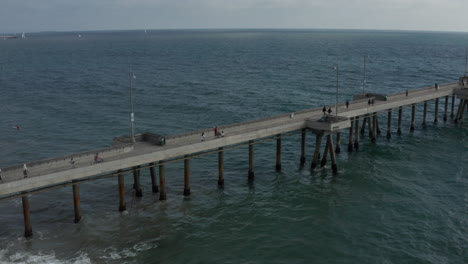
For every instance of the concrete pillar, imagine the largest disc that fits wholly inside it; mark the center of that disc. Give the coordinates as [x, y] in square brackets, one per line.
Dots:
[446, 108]
[318, 144]
[413, 113]
[351, 130]
[154, 180]
[389, 124]
[122, 206]
[338, 142]
[187, 176]
[303, 147]
[363, 128]
[400, 115]
[76, 202]
[425, 114]
[325, 152]
[162, 181]
[436, 111]
[221, 167]
[27, 216]
[278, 153]
[332, 154]
[453, 106]
[251, 160]
[136, 181]
[374, 128]
[356, 133]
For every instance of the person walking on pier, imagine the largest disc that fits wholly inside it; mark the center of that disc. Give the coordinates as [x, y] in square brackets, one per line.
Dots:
[216, 131]
[72, 162]
[203, 136]
[97, 159]
[222, 133]
[25, 170]
[324, 110]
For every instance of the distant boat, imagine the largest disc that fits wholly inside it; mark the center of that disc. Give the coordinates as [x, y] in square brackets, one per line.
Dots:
[23, 36]
[79, 35]
[8, 37]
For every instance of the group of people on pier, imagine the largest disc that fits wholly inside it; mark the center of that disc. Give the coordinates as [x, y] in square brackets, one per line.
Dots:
[216, 131]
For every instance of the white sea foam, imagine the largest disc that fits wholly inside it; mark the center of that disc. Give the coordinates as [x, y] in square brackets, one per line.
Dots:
[7, 257]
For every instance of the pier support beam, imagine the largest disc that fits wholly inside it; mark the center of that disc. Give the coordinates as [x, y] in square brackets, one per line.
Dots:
[371, 124]
[377, 123]
[187, 176]
[221, 167]
[278, 153]
[374, 128]
[425, 114]
[251, 161]
[351, 130]
[318, 144]
[400, 115]
[27, 217]
[154, 180]
[162, 181]
[76, 202]
[453, 106]
[436, 111]
[325, 151]
[356, 133]
[332, 154]
[338, 142]
[363, 128]
[389, 124]
[446, 109]
[413, 113]
[303, 147]
[136, 183]
[122, 205]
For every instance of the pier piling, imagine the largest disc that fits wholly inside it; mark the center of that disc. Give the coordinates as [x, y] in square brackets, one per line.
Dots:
[363, 128]
[436, 111]
[389, 123]
[318, 144]
[221, 167]
[413, 113]
[136, 181]
[325, 152]
[251, 161]
[27, 217]
[446, 108]
[187, 176]
[400, 115]
[374, 128]
[122, 206]
[332, 154]
[278, 153]
[351, 130]
[76, 202]
[154, 180]
[356, 133]
[303, 147]
[452, 107]
[162, 181]
[338, 142]
[425, 114]
[371, 126]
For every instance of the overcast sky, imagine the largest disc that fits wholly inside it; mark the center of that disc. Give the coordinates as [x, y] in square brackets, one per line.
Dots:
[77, 15]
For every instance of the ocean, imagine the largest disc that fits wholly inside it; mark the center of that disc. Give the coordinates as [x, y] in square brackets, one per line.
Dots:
[403, 200]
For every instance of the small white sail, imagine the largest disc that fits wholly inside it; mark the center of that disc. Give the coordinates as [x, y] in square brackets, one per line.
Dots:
[23, 36]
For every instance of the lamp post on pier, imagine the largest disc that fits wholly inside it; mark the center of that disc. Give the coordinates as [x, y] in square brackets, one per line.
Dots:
[132, 76]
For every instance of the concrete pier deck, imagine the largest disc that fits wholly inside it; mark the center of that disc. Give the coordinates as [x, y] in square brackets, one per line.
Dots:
[56, 171]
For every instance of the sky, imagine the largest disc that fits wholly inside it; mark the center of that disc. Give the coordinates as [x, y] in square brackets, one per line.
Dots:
[81, 15]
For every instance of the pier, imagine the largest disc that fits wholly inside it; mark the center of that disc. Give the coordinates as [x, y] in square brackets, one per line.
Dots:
[150, 151]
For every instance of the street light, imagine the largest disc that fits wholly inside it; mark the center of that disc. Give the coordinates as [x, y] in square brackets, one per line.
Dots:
[132, 76]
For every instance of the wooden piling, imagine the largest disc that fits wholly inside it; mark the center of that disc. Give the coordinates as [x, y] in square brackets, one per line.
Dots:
[136, 181]
[187, 176]
[446, 108]
[338, 142]
[413, 113]
[325, 152]
[371, 126]
[351, 130]
[378, 123]
[374, 128]
[154, 180]
[425, 114]
[332, 155]
[400, 115]
[76, 202]
[221, 167]
[278, 153]
[162, 181]
[318, 144]
[356, 133]
[122, 205]
[27, 217]
[452, 106]
[363, 128]
[389, 124]
[251, 160]
[303, 147]
[436, 110]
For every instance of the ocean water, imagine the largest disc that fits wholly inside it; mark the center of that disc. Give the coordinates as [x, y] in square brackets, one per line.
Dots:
[403, 200]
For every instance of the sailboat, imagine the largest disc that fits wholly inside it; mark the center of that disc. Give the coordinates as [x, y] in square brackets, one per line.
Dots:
[23, 36]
